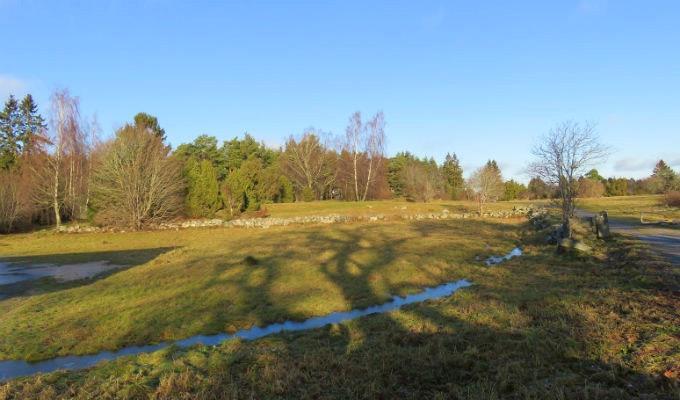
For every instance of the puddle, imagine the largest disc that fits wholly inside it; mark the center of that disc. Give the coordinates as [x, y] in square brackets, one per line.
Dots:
[493, 260]
[17, 272]
[15, 369]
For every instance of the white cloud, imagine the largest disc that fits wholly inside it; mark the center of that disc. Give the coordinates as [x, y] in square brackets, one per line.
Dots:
[11, 85]
[633, 164]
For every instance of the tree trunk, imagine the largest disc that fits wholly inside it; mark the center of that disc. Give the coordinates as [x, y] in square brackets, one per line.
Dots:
[368, 180]
[55, 197]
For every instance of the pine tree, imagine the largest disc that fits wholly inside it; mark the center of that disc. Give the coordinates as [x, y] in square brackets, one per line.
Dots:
[32, 124]
[148, 121]
[10, 128]
[454, 176]
[494, 166]
[664, 177]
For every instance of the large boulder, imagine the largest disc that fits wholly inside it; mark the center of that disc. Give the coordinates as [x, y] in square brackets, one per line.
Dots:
[601, 222]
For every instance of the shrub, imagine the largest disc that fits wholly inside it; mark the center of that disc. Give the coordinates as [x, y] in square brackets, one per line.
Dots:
[136, 183]
[202, 188]
[307, 194]
[672, 199]
[588, 187]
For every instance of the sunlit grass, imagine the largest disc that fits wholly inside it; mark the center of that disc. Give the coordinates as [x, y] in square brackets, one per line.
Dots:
[388, 207]
[631, 207]
[538, 326]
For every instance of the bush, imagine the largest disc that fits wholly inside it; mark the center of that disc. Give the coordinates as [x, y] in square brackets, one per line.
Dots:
[136, 183]
[202, 198]
[588, 187]
[307, 194]
[672, 199]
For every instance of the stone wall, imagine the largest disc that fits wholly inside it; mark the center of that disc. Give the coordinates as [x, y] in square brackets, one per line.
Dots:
[308, 220]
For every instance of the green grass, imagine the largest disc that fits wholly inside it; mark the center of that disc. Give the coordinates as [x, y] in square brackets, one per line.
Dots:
[200, 281]
[386, 207]
[629, 208]
[539, 326]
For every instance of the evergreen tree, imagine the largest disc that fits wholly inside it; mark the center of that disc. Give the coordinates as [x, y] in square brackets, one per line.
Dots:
[148, 121]
[664, 178]
[32, 124]
[10, 132]
[395, 172]
[594, 175]
[454, 176]
[514, 190]
[204, 147]
[494, 166]
[202, 199]
[286, 190]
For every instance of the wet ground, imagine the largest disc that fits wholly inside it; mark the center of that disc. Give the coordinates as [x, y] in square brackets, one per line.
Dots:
[13, 369]
[17, 272]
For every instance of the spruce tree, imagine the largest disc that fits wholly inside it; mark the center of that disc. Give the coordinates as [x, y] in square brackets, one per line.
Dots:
[666, 179]
[32, 124]
[10, 128]
[454, 175]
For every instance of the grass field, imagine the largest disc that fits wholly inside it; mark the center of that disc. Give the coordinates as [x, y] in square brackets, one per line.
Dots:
[630, 207]
[538, 326]
[387, 207]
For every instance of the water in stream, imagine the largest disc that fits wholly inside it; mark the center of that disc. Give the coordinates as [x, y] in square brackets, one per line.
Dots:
[493, 260]
[13, 369]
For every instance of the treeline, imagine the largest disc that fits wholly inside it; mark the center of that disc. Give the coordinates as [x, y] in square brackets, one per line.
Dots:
[64, 171]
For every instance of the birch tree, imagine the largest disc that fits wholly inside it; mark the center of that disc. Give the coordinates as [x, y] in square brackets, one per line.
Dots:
[365, 145]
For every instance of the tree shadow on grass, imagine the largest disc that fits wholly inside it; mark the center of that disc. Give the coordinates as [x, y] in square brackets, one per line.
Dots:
[531, 336]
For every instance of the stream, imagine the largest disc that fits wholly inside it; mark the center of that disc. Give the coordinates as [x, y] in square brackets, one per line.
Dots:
[16, 368]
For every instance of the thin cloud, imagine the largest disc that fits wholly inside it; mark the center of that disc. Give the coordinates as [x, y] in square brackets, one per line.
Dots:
[631, 164]
[592, 7]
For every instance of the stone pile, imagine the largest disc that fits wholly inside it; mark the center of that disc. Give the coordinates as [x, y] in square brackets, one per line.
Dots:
[310, 219]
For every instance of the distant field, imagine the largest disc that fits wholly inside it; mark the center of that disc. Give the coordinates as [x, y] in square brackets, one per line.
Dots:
[386, 207]
[630, 207]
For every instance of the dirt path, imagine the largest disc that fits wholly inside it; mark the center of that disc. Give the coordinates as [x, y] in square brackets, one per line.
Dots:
[665, 241]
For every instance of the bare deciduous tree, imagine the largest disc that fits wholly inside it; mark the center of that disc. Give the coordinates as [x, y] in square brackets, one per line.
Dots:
[10, 201]
[60, 174]
[421, 183]
[308, 163]
[136, 183]
[365, 146]
[564, 154]
[487, 185]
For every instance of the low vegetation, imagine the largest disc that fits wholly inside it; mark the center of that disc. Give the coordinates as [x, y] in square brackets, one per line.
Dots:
[537, 326]
[633, 208]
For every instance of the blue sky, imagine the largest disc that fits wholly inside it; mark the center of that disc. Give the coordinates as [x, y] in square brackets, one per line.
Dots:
[482, 79]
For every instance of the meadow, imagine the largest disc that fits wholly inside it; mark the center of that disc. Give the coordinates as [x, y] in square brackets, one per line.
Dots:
[630, 208]
[538, 326]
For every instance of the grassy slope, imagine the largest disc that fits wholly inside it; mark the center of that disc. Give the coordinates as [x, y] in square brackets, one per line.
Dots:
[203, 285]
[540, 326]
